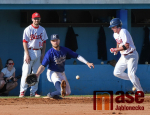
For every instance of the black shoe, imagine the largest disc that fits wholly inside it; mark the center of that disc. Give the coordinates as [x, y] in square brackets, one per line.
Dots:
[57, 97]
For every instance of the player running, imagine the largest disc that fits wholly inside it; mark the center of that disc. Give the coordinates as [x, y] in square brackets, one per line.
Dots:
[129, 55]
[55, 59]
[34, 43]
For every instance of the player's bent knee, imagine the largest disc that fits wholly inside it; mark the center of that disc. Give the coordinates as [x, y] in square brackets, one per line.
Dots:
[2, 82]
[132, 76]
[14, 85]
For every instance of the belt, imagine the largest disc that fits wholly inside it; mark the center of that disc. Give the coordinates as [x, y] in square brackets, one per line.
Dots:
[128, 53]
[33, 49]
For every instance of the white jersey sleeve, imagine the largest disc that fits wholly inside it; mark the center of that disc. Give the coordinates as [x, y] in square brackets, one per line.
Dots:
[125, 36]
[25, 35]
[45, 35]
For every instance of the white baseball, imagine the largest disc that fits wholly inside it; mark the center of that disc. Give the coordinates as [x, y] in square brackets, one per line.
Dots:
[133, 89]
[77, 77]
[102, 62]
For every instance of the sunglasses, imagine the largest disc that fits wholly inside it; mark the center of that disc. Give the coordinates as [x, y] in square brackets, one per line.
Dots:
[10, 63]
[36, 18]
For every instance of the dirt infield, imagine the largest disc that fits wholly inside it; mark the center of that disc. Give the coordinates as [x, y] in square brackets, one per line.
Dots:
[66, 106]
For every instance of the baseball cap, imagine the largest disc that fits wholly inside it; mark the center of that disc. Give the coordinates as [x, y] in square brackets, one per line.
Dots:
[54, 36]
[36, 15]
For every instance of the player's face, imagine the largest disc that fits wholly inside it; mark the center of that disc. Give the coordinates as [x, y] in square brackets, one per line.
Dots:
[55, 43]
[115, 29]
[10, 64]
[36, 21]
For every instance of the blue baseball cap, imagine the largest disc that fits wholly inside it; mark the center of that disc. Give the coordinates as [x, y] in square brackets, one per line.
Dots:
[54, 36]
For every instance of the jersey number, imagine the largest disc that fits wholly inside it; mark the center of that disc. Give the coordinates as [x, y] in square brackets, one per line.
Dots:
[40, 44]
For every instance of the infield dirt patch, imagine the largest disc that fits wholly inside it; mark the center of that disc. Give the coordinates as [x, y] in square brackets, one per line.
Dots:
[66, 106]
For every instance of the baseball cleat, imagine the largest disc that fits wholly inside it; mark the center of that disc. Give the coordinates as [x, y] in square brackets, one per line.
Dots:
[34, 95]
[48, 96]
[57, 97]
[63, 88]
[22, 94]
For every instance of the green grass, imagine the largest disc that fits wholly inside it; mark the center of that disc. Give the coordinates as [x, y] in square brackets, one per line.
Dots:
[2, 97]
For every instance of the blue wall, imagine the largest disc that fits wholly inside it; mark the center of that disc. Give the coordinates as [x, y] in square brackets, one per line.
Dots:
[11, 47]
[99, 78]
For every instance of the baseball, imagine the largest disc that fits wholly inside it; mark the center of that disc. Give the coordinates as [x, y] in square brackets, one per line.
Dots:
[133, 88]
[146, 62]
[77, 77]
[102, 62]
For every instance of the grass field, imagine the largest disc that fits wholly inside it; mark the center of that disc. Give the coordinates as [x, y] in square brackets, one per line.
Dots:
[65, 96]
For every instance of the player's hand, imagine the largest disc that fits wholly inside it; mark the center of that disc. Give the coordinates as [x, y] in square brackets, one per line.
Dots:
[27, 59]
[115, 53]
[112, 50]
[15, 79]
[37, 75]
[8, 78]
[90, 65]
[41, 59]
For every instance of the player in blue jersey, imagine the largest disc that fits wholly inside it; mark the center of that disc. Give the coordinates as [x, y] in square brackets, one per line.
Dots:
[55, 60]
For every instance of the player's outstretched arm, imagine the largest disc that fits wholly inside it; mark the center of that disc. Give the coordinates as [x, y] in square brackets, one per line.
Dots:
[40, 70]
[80, 58]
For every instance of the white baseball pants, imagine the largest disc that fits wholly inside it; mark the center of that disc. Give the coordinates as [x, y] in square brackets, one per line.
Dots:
[53, 76]
[26, 69]
[129, 61]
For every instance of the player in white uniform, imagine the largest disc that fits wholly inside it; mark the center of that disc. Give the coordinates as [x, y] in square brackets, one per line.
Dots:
[129, 55]
[34, 43]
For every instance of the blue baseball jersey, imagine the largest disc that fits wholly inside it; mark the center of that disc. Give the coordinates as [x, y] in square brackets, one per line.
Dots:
[56, 59]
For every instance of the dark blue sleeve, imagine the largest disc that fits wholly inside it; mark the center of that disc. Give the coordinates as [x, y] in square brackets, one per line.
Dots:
[46, 59]
[71, 53]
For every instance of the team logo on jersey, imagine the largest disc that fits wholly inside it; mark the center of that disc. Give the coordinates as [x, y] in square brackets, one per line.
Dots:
[119, 41]
[35, 36]
[59, 60]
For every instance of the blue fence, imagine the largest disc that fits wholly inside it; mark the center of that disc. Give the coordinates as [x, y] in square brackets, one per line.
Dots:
[99, 78]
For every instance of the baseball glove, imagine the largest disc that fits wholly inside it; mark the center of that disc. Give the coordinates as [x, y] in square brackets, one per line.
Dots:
[31, 79]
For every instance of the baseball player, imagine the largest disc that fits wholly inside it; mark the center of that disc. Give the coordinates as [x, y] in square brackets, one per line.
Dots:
[129, 55]
[34, 43]
[55, 59]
